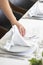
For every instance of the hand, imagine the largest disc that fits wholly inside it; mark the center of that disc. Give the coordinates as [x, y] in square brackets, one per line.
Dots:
[21, 29]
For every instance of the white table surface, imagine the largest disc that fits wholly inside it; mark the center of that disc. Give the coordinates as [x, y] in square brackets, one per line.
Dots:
[9, 61]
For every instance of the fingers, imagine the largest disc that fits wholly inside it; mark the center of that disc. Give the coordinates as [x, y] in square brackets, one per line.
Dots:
[22, 31]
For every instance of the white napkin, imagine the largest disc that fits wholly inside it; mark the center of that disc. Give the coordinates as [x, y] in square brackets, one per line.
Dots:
[40, 7]
[16, 39]
[36, 9]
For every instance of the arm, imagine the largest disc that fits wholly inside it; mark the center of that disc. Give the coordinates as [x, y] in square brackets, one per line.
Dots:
[8, 12]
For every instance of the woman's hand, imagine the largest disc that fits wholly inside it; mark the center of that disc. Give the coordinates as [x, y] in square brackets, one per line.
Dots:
[21, 29]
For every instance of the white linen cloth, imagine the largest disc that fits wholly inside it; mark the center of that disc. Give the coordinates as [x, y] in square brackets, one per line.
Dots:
[34, 32]
[13, 37]
[36, 9]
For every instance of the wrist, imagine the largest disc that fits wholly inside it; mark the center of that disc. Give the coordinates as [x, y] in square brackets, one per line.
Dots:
[14, 21]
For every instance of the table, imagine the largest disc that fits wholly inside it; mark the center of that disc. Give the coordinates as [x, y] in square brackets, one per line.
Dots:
[9, 61]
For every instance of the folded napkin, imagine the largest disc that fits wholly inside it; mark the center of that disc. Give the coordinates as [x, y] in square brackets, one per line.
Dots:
[37, 9]
[15, 38]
